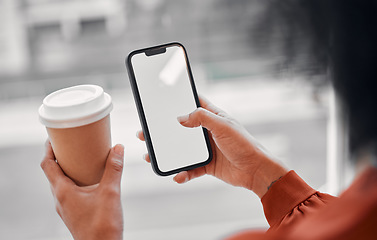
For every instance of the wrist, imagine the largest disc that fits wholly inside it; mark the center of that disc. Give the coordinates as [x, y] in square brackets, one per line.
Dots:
[107, 236]
[266, 175]
[105, 231]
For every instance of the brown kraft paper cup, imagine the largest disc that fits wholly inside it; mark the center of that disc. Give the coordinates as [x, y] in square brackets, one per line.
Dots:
[77, 120]
[82, 151]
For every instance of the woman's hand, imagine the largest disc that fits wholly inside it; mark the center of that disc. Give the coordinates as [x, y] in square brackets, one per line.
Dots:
[238, 158]
[92, 212]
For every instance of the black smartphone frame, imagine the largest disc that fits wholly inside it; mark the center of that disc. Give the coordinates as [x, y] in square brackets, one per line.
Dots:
[160, 49]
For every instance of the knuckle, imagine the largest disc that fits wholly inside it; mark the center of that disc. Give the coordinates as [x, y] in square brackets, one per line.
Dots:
[203, 115]
[200, 113]
[60, 197]
[61, 192]
[43, 164]
[111, 192]
[117, 164]
[200, 110]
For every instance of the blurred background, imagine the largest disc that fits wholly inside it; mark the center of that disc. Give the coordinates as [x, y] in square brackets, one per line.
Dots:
[46, 45]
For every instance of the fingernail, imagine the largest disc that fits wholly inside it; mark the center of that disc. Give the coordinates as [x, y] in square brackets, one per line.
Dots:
[138, 133]
[145, 156]
[119, 150]
[175, 179]
[183, 118]
[186, 179]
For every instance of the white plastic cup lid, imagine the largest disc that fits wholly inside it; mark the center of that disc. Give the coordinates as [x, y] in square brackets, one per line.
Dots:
[75, 106]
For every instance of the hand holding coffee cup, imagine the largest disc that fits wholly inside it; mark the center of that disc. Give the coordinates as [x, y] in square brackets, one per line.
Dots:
[77, 120]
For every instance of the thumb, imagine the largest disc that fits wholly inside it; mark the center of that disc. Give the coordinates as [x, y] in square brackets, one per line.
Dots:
[202, 117]
[186, 176]
[114, 167]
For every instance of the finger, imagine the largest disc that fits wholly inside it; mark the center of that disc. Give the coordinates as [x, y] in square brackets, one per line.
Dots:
[114, 167]
[140, 135]
[49, 153]
[51, 169]
[204, 118]
[205, 103]
[146, 157]
[186, 176]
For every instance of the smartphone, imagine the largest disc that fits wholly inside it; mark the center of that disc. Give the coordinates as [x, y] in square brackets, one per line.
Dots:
[163, 88]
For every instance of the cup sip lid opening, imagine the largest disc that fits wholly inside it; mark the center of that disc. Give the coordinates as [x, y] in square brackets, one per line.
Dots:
[75, 106]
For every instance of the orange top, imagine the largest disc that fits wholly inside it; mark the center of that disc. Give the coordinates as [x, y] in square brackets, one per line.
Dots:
[296, 211]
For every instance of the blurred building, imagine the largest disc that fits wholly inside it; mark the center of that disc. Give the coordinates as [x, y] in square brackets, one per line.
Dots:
[14, 52]
[50, 44]
[63, 34]
[47, 44]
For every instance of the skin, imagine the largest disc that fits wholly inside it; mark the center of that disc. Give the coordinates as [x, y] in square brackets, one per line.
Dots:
[95, 212]
[238, 158]
[91, 212]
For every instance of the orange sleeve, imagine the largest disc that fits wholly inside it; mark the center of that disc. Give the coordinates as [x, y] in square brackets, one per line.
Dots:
[289, 200]
[296, 211]
[285, 204]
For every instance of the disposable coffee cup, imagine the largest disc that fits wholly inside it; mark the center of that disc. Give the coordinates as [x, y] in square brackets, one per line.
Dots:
[77, 120]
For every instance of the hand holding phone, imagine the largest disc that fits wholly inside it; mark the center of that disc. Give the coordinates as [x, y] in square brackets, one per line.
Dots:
[163, 89]
[238, 158]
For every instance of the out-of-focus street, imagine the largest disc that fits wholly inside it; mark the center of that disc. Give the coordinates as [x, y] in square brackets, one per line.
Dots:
[290, 124]
[240, 66]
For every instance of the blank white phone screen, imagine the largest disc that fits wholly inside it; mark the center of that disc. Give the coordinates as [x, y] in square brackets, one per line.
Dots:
[165, 91]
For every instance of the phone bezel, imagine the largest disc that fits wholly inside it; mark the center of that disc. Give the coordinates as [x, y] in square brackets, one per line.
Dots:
[142, 117]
